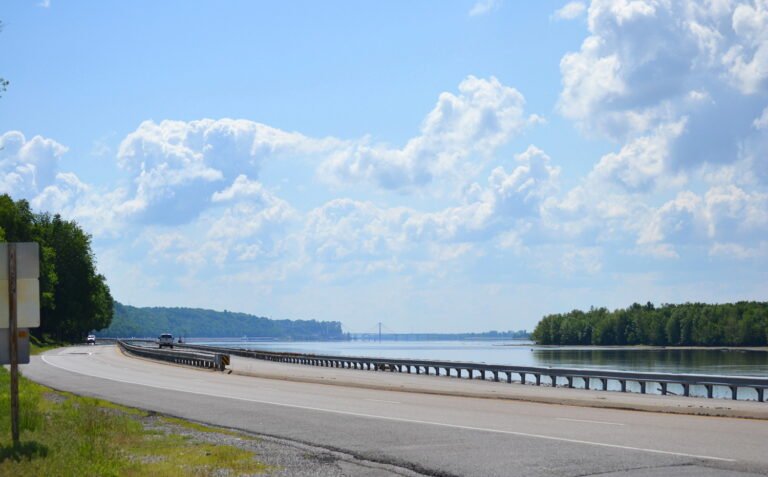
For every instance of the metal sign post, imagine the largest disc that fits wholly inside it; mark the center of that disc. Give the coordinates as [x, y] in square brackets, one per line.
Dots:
[19, 311]
[14, 343]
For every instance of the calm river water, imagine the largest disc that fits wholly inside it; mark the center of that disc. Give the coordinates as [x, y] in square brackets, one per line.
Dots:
[696, 361]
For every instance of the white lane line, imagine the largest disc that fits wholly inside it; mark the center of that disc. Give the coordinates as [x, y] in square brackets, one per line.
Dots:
[382, 400]
[589, 421]
[401, 419]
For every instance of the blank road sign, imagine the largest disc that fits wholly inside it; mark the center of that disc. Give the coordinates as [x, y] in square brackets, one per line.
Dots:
[27, 285]
[23, 341]
[27, 303]
[27, 260]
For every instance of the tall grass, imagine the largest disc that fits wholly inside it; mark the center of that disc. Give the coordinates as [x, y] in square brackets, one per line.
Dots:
[66, 435]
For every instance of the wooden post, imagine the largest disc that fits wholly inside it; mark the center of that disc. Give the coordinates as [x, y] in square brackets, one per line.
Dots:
[13, 334]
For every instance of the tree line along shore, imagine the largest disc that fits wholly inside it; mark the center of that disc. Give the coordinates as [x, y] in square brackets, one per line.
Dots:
[744, 323]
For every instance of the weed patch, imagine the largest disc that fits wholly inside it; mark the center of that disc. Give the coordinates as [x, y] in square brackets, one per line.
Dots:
[67, 435]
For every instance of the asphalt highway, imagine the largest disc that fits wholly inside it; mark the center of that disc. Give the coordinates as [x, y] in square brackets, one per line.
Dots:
[427, 433]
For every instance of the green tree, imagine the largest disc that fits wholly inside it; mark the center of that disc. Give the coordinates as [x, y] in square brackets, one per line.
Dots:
[673, 329]
[734, 324]
[74, 298]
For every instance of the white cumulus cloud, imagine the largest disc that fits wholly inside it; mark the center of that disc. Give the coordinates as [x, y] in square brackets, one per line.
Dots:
[481, 7]
[644, 60]
[27, 167]
[570, 11]
[177, 166]
[484, 115]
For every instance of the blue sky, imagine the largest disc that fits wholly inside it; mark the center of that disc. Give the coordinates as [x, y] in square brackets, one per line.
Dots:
[437, 166]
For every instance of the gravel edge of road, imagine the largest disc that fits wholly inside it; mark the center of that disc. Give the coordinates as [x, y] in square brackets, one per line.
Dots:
[287, 458]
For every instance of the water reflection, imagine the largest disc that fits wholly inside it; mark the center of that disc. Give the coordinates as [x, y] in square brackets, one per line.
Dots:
[695, 361]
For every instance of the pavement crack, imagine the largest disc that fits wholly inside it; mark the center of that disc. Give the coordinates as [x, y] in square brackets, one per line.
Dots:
[394, 466]
[627, 469]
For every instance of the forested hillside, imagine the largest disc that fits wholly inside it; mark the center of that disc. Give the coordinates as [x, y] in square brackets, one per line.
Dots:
[194, 322]
[690, 324]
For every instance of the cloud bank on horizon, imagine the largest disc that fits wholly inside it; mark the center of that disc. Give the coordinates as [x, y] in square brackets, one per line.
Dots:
[451, 223]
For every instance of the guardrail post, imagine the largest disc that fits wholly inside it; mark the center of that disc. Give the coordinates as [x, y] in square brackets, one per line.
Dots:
[760, 394]
[570, 381]
[734, 392]
[710, 390]
[623, 384]
[642, 386]
[663, 389]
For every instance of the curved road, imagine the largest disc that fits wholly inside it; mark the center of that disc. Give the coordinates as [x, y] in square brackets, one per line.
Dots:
[432, 434]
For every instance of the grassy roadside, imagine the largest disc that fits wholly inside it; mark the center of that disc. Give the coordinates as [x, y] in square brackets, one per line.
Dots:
[67, 435]
[37, 346]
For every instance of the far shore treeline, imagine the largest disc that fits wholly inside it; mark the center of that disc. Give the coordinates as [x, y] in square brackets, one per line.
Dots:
[195, 322]
[690, 324]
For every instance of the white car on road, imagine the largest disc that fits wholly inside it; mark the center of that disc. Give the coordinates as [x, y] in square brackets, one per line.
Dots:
[166, 339]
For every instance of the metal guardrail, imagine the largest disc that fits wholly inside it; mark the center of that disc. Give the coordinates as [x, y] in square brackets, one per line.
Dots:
[216, 360]
[554, 376]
